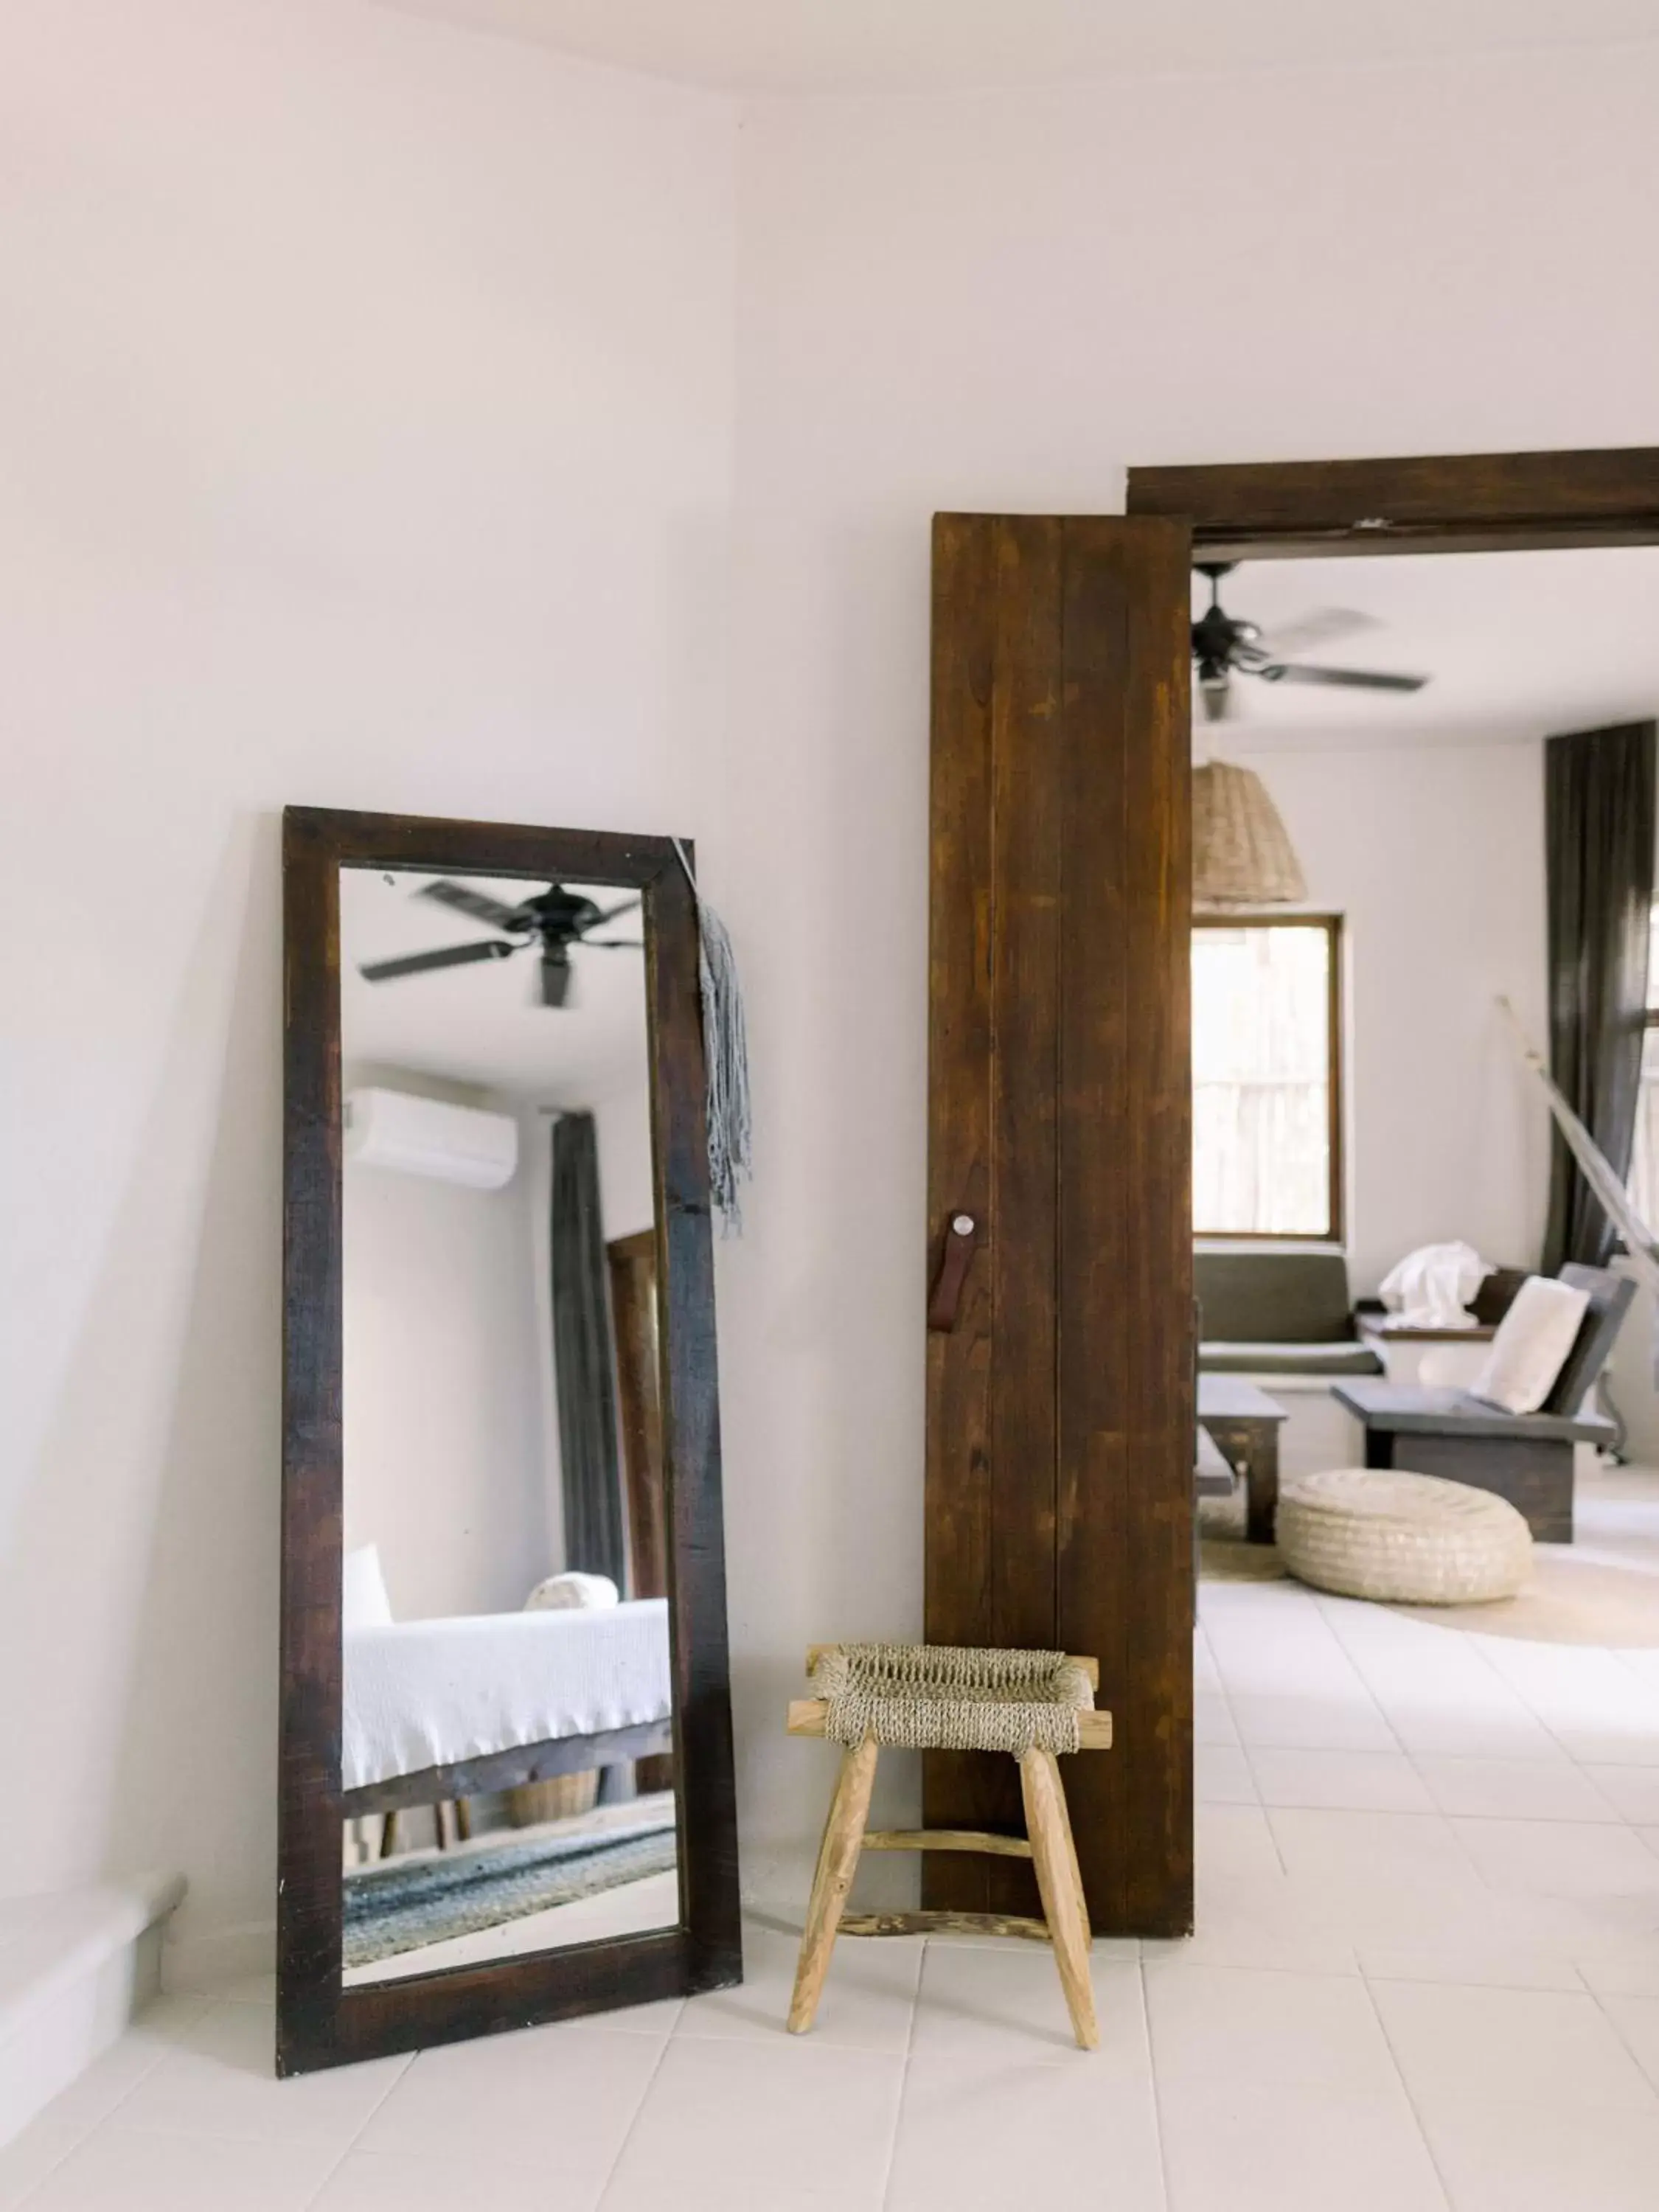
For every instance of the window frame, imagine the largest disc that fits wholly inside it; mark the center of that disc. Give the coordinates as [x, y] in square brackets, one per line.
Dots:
[1335, 1232]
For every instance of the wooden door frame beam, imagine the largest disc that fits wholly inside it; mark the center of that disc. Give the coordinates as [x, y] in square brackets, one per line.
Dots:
[1444, 503]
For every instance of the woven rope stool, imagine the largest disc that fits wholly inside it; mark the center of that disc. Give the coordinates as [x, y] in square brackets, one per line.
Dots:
[1031, 1706]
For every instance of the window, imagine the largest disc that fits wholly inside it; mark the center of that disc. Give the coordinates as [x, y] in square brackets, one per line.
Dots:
[1643, 1184]
[1267, 1105]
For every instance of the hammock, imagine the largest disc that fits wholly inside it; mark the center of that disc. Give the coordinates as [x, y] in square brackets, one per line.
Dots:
[1593, 1162]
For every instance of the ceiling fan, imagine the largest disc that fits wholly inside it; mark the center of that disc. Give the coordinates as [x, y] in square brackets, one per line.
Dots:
[555, 918]
[1223, 648]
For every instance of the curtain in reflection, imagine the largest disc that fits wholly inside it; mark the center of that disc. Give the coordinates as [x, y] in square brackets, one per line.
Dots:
[584, 1364]
[1599, 834]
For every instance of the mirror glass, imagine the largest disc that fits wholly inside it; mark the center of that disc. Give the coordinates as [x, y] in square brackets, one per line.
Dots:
[506, 1731]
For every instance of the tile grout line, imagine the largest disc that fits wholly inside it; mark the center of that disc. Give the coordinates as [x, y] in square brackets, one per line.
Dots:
[1157, 2094]
[650, 2083]
[1473, 1643]
[1467, 1637]
[905, 2077]
[1600, 2003]
[96, 2126]
[357, 2133]
[1249, 1767]
[1369, 1696]
[104, 2119]
[1405, 2089]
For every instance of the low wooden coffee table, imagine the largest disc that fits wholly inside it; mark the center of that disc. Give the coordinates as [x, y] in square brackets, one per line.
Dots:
[1243, 1423]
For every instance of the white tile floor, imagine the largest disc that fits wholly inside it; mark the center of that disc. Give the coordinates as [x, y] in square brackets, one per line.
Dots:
[1426, 1979]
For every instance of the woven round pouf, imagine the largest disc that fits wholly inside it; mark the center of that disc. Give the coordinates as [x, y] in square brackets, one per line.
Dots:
[1409, 1539]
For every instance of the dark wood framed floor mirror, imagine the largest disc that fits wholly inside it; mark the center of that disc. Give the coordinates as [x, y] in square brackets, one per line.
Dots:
[507, 1789]
[1060, 1401]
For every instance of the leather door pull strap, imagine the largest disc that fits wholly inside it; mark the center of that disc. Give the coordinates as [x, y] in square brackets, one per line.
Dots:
[960, 1237]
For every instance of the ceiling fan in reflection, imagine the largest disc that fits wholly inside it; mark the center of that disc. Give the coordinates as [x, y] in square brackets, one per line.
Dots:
[554, 920]
[1223, 648]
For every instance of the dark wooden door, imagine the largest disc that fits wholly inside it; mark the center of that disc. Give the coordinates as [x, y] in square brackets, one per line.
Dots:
[1059, 1405]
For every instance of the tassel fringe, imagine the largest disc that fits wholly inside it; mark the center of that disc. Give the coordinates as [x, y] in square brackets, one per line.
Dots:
[726, 1050]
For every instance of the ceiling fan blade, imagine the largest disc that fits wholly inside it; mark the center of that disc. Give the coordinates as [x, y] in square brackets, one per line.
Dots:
[453, 956]
[1318, 626]
[1356, 679]
[475, 903]
[611, 912]
[612, 943]
[556, 976]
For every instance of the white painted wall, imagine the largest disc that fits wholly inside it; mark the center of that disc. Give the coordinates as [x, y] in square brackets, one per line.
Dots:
[1434, 856]
[368, 439]
[989, 301]
[622, 1134]
[366, 435]
[449, 1466]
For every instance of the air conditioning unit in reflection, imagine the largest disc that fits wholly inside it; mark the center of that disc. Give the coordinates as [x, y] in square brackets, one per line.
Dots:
[426, 1137]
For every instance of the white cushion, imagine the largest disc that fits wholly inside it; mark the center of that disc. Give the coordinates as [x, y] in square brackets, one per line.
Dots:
[363, 1600]
[1531, 1346]
[562, 1593]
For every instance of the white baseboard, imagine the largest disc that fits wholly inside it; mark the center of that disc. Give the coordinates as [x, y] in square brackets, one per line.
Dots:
[73, 1969]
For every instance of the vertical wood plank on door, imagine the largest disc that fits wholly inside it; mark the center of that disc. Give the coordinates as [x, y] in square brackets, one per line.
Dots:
[994, 1044]
[1123, 1553]
[958, 1507]
[1028, 802]
[1060, 1413]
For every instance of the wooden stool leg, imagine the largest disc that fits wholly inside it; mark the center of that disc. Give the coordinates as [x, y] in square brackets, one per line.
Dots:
[838, 1858]
[1071, 1856]
[1059, 1887]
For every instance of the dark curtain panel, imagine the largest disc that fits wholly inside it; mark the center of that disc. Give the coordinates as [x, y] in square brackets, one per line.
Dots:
[584, 1365]
[1599, 834]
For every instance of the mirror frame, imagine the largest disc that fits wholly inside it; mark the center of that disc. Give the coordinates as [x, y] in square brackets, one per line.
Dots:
[319, 2021]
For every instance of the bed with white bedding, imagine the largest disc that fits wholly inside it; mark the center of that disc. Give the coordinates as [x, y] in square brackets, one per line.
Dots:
[453, 1707]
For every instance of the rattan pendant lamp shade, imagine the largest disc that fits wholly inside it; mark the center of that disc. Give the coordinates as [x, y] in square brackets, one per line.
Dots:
[1242, 853]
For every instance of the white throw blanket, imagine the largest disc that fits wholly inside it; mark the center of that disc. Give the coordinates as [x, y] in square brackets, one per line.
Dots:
[423, 1693]
[1432, 1287]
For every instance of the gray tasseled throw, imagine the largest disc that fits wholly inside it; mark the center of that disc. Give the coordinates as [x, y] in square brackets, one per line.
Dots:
[938, 1697]
[726, 1050]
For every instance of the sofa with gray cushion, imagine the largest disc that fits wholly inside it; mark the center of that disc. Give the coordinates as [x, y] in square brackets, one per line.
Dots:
[1279, 1309]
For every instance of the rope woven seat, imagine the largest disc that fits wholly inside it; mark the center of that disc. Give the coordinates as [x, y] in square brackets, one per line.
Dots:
[936, 1697]
[1033, 1707]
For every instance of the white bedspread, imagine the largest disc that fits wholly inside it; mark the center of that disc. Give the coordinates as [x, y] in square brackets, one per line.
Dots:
[423, 1693]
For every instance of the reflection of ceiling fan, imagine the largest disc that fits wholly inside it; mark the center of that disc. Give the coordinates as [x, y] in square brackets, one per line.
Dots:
[1224, 648]
[555, 918]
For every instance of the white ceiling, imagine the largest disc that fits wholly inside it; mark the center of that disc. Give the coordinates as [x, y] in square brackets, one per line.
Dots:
[1520, 645]
[908, 46]
[483, 1026]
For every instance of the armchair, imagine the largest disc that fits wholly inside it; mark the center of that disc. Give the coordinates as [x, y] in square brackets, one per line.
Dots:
[1524, 1457]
